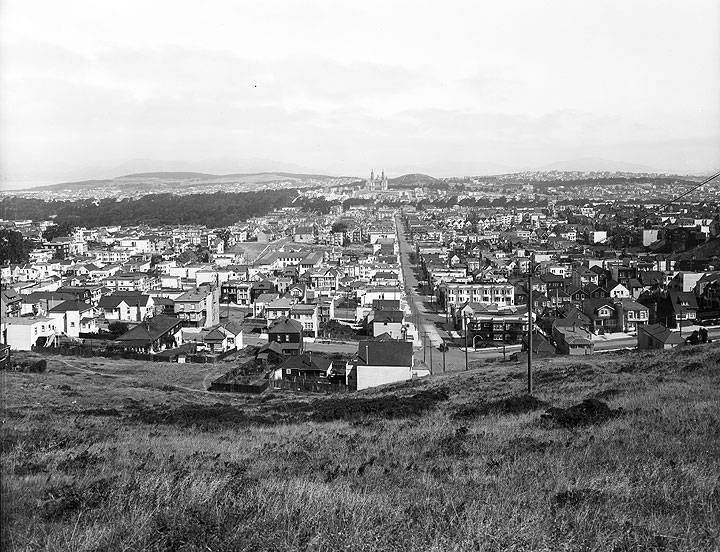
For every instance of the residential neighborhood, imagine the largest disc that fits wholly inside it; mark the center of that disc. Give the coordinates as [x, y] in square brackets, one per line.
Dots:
[372, 282]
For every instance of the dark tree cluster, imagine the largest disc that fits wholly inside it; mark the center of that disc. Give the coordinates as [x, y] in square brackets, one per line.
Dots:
[57, 230]
[14, 248]
[212, 210]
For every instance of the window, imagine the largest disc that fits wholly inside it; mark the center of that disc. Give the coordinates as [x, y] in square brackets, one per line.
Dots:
[72, 324]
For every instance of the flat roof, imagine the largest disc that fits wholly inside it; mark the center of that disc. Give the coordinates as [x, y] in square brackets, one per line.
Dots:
[26, 320]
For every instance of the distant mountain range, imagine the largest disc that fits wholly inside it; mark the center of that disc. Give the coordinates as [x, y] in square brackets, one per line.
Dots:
[159, 180]
[186, 182]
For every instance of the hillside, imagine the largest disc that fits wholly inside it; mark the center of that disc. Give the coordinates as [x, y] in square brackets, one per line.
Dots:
[171, 175]
[596, 164]
[107, 455]
[180, 183]
[412, 181]
[707, 250]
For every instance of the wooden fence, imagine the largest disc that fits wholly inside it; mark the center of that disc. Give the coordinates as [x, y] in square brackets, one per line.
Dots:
[309, 385]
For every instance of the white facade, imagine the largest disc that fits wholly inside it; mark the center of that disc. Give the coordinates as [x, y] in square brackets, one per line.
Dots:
[24, 332]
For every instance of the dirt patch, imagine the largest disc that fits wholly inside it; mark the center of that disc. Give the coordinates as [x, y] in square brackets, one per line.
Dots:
[519, 404]
[588, 412]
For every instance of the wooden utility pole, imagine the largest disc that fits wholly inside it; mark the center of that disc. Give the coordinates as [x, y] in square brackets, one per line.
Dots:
[466, 343]
[530, 330]
[431, 348]
[503, 338]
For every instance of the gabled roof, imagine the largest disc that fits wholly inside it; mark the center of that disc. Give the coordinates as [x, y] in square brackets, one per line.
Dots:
[215, 335]
[110, 301]
[286, 325]
[612, 284]
[145, 333]
[662, 334]
[595, 303]
[630, 305]
[306, 362]
[683, 301]
[67, 306]
[266, 298]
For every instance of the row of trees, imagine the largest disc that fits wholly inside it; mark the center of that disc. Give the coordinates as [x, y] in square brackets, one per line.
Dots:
[212, 210]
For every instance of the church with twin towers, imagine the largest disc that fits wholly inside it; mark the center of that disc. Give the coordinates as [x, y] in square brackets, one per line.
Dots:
[377, 183]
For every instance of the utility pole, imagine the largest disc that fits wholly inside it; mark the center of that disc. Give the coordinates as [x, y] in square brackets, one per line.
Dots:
[444, 348]
[503, 338]
[466, 343]
[530, 330]
[424, 346]
[431, 348]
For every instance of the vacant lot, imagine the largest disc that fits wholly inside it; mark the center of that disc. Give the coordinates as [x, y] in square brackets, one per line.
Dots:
[612, 453]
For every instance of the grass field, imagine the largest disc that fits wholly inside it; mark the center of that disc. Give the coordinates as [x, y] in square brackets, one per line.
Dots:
[121, 455]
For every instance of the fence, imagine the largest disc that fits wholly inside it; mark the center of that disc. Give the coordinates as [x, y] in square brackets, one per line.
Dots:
[239, 387]
[89, 351]
[314, 386]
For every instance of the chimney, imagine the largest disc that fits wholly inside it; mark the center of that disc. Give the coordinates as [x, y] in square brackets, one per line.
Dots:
[367, 355]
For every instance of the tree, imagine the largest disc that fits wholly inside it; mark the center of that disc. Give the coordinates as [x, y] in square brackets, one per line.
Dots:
[57, 230]
[224, 235]
[339, 227]
[14, 248]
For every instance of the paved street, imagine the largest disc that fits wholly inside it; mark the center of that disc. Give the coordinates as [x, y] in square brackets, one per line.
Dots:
[424, 319]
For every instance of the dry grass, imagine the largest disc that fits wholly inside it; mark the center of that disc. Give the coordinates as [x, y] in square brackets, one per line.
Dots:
[132, 458]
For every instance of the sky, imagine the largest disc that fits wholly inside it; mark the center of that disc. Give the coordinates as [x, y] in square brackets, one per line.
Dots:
[93, 89]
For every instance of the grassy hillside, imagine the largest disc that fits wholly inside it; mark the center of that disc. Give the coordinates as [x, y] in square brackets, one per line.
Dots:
[104, 456]
[412, 181]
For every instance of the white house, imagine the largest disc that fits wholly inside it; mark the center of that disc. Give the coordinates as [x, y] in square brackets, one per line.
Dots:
[380, 362]
[72, 317]
[25, 332]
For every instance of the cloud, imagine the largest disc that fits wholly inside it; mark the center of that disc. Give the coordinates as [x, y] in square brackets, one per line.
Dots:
[341, 87]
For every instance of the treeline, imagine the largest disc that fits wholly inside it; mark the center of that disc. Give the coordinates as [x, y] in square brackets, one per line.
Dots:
[212, 210]
[612, 181]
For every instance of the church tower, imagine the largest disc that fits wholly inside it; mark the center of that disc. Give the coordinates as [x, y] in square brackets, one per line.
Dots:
[371, 182]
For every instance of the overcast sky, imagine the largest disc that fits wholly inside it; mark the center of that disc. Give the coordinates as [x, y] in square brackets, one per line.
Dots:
[452, 87]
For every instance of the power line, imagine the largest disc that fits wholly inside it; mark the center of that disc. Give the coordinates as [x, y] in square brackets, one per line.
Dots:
[691, 190]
